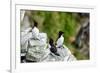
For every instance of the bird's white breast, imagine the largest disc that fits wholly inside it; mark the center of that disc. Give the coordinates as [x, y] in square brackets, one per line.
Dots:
[60, 41]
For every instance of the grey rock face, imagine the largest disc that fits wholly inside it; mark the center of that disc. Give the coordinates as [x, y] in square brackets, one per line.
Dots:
[38, 51]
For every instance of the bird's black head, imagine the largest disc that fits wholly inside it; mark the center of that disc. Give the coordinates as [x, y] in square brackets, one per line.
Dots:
[51, 41]
[60, 33]
[35, 24]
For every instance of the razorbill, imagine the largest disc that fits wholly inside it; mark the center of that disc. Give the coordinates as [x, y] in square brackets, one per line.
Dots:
[52, 47]
[60, 39]
[35, 31]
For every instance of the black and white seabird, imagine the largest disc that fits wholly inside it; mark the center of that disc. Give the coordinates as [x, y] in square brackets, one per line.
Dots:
[60, 39]
[52, 47]
[35, 31]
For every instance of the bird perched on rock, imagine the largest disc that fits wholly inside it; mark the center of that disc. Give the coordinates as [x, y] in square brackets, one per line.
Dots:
[60, 39]
[52, 47]
[35, 31]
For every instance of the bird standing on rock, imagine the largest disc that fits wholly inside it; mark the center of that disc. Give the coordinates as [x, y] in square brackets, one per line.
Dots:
[60, 39]
[52, 47]
[35, 31]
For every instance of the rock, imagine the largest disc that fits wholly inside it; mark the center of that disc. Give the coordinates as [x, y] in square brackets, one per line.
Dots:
[38, 48]
[39, 42]
[38, 51]
[65, 55]
[24, 40]
[22, 12]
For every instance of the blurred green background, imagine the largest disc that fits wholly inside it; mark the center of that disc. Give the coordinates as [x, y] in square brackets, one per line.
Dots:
[51, 22]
